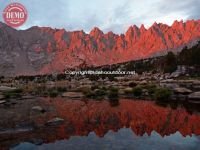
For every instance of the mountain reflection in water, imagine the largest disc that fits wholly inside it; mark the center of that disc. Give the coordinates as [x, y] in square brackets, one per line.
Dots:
[98, 125]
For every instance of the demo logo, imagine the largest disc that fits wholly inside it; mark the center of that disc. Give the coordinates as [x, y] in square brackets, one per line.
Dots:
[15, 15]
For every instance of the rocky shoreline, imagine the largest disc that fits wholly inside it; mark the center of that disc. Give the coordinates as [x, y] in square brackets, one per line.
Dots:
[146, 87]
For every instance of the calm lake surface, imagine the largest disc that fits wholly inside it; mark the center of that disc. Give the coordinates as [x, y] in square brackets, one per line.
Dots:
[98, 125]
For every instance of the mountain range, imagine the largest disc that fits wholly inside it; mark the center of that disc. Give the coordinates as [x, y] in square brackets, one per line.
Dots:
[41, 50]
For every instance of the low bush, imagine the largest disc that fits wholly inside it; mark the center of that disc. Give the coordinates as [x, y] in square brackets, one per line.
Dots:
[151, 89]
[13, 93]
[137, 91]
[88, 93]
[113, 93]
[17, 91]
[53, 93]
[100, 92]
[96, 94]
[162, 94]
[62, 89]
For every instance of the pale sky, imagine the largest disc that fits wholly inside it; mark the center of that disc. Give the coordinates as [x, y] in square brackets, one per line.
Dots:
[114, 15]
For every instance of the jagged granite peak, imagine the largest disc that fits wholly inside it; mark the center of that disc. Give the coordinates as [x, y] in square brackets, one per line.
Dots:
[95, 32]
[142, 28]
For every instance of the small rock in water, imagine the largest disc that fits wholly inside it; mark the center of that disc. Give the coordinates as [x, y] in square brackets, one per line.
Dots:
[180, 97]
[2, 102]
[13, 101]
[182, 91]
[38, 109]
[167, 81]
[121, 92]
[6, 88]
[27, 97]
[1, 97]
[144, 82]
[55, 121]
[73, 95]
[128, 90]
[194, 96]
[194, 102]
[196, 87]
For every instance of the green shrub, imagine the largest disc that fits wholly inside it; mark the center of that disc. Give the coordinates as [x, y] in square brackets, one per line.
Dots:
[113, 93]
[13, 93]
[137, 91]
[61, 89]
[7, 95]
[104, 88]
[100, 92]
[88, 93]
[96, 94]
[53, 94]
[151, 89]
[39, 90]
[162, 94]
[17, 91]
[45, 94]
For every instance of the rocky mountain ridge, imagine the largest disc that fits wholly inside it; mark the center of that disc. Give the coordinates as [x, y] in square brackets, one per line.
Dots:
[40, 50]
